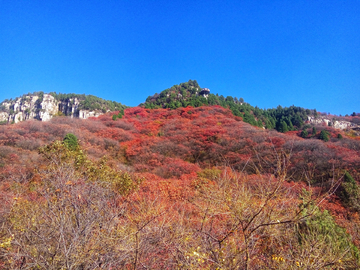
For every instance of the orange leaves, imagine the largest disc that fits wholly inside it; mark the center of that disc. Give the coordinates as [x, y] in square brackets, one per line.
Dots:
[171, 189]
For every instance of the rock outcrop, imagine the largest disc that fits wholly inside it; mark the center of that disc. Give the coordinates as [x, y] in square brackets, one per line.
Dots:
[321, 120]
[43, 108]
[204, 92]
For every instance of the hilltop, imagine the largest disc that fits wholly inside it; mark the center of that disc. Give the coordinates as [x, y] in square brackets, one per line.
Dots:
[282, 119]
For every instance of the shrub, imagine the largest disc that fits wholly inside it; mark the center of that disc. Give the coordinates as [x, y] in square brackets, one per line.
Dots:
[304, 133]
[321, 242]
[70, 141]
[324, 135]
[349, 192]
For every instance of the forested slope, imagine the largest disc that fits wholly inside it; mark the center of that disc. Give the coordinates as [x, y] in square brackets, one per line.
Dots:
[282, 119]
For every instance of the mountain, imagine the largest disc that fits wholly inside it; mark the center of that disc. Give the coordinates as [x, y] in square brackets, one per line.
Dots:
[43, 107]
[173, 184]
[282, 119]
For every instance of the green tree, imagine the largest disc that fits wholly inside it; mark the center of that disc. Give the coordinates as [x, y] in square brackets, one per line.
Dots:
[290, 125]
[349, 192]
[298, 121]
[229, 99]
[315, 113]
[304, 133]
[324, 135]
[313, 131]
[322, 244]
[236, 112]
[259, 123]
[283, 127]
[71, 142]
[249, 118]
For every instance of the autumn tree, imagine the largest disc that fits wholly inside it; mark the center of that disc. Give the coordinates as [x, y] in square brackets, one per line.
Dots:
[71, 221]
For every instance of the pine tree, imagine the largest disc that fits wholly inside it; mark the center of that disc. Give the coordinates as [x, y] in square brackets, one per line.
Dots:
[283, 127]
[304, 133]
[314, 131]
[324, 135]
[71, 141]
[349, 192]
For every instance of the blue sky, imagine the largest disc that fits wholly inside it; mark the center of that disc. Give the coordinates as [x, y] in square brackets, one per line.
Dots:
[271, 53]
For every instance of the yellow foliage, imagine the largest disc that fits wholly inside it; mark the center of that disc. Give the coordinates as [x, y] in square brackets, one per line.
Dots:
[58, 155]
[6, 243]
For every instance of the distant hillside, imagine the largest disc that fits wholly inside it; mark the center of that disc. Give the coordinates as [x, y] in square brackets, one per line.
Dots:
[191, 94]
[282, 119]
[43, 107]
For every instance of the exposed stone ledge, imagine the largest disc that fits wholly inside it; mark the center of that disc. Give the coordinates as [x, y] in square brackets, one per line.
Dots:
[321, 120]
[28, 108]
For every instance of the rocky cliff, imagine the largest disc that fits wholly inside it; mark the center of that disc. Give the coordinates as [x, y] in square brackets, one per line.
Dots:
[45, 106]
[338, 124]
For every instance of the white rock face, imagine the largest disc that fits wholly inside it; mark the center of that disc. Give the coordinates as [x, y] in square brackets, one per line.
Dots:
[18, 117]
[86, 114]
[321, 120]
[343, 124]
[28, 108]
[49, 108]
[4, 116]
[7, 105]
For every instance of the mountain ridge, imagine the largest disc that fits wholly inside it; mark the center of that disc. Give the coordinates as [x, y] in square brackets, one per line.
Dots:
[43, 107]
